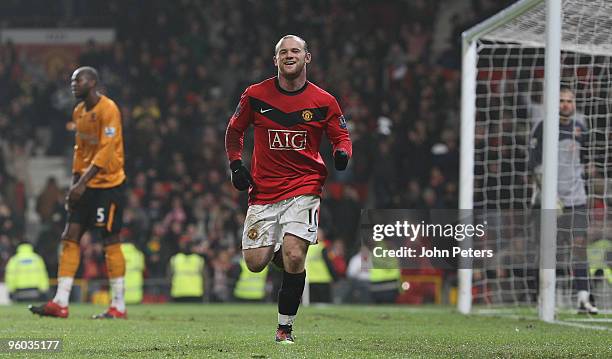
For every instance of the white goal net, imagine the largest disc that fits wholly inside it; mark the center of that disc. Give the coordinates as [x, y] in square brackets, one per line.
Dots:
[509, 95]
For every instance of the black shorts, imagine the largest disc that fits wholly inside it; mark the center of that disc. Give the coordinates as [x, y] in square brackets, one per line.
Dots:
[573, 222]
[100, 209]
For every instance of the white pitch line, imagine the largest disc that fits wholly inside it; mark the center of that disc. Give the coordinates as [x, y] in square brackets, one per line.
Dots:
[590, 320]
[498, 311]
[559, 322]
[583, 326]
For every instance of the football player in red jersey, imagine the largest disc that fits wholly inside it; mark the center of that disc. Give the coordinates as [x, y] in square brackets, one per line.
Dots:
[289, 115]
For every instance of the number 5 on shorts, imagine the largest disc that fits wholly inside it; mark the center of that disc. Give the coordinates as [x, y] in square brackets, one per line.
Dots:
[100, 215]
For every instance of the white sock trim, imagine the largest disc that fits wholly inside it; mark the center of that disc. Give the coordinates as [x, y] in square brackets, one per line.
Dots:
[118, 292]
[284, 319]
[583, 296]
[64, 286]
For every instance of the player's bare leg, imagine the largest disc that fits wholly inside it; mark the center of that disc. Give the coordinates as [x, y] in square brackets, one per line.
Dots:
[294, 251]
[68, 265]
[115, 263]
[258, 258]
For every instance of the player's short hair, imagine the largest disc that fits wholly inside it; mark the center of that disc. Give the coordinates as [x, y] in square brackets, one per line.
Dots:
[89, 72]
[278, 44]
[565, 88]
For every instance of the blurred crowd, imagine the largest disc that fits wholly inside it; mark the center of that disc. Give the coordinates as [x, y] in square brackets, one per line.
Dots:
[177, 71]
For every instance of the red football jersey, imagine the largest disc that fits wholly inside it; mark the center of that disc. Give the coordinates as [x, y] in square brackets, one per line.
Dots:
[288, 126]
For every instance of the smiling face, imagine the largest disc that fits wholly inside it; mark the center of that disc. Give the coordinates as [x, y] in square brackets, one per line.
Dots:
[291, 57]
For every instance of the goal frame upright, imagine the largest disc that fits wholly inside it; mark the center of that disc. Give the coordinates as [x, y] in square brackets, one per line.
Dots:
[469, 72]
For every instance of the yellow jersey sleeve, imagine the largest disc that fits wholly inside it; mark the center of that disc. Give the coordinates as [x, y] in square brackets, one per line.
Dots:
[109, 138]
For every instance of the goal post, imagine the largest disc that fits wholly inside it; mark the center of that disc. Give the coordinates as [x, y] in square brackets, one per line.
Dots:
[468, 118]
[466, 165]
[513, 65]
[548, 237]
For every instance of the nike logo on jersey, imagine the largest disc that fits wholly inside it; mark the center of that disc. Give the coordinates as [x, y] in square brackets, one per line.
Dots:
[312, 230]
[300, 116]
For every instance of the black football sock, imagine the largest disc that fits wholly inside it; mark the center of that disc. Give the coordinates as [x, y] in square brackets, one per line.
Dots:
[289, 298]
[277, 260]
[581, 280]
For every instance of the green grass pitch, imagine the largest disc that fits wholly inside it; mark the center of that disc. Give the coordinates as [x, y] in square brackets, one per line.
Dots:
[247, 331]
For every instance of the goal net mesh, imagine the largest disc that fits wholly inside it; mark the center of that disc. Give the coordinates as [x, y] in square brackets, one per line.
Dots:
[509, 107]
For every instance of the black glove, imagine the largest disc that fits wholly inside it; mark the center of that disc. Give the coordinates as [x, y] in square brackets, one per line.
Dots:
[340, 160]
[241, 178]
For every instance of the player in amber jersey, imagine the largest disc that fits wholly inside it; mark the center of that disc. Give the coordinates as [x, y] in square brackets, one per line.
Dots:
[289, 115]
[95, 199]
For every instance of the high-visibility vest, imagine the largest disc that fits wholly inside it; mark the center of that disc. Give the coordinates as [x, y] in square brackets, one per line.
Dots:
[26, 269]
[596, 254]
[250, 286]
[385, 269]
[316, 268]
[384, 274]
[187, 278]
[134, 268]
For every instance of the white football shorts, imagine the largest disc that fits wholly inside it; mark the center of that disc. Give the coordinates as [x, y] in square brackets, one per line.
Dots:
[266, 224]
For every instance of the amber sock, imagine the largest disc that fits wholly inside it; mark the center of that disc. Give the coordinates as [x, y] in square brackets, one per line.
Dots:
[69, 263]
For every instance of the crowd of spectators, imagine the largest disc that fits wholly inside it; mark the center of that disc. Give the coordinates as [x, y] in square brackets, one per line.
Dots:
[177, 71]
